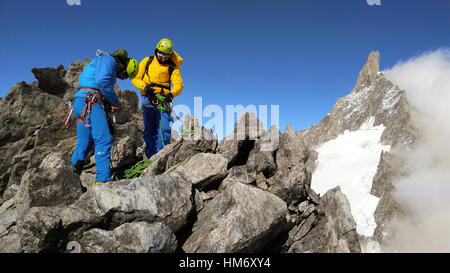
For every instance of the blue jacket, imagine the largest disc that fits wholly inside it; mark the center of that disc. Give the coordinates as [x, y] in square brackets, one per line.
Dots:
[100, 74]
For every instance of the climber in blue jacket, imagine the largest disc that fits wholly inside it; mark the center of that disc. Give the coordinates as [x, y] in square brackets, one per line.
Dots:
[96, 91]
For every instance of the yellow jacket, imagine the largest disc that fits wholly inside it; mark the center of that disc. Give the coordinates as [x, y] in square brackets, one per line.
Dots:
[159, 74]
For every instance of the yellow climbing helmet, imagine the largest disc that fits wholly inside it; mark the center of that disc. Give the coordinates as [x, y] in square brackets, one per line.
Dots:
[132, 68]
[165, 46]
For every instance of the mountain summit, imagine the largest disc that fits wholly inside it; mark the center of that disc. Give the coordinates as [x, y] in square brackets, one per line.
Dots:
[369, 71]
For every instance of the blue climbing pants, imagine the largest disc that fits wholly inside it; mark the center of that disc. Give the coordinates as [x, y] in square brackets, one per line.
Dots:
[157, 130]
[98, 133]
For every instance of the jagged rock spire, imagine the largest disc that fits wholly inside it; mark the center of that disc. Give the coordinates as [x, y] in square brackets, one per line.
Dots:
[369, 71]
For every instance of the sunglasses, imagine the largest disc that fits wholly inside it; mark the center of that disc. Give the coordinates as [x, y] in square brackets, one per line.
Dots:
[163, 55]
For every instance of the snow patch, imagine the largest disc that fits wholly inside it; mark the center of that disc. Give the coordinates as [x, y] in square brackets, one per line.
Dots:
[391, 99]
[350, 161]
[354, 102]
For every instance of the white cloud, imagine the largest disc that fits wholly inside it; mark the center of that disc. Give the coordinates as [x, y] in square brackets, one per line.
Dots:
[425, 192]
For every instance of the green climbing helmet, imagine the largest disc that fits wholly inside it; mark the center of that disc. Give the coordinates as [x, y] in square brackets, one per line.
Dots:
[121, 55]
[165, 46]
[132, 68]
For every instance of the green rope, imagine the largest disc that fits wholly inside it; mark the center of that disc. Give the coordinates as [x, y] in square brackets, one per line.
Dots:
[160, 131]
[186, 131]
[179, 164]
[197, 149]
[138, 169]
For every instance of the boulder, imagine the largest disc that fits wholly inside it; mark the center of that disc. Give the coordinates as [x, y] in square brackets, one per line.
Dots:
[237, 146]
[243, 174]
[129, 105]
[123, 152]
[166, 198]
[24, 107]
[242, 218]
[53, 183]
[51, 80]
[192, 141]
[203, 169]
[292, 175]
[140, 237]
[329, 229]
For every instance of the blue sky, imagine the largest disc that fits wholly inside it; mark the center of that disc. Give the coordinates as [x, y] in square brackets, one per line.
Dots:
[301, 55]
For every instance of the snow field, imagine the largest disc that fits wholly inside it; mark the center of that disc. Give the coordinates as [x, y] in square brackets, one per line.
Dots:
[350, 161]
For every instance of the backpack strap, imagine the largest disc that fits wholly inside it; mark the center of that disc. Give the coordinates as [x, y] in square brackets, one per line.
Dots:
[150, 59]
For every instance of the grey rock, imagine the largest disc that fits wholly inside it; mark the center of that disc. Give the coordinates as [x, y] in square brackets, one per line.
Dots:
[243, 174]
[19, 165]
[73, 73]
[374, 96]
[24, 107]
[51, 80]
[390, 168]
[174, 136]
[203, 169]
[329, 229]
[243, 218]
[291, 176]
[8, 216]
[165, 198]
[201, 198]
[290, 185]
[137, 237]
[53, 183]
[262, 161]
[123, 152]
[200, 140]
[129, 105]
[237, 146]
[369, 71]
[87, 179]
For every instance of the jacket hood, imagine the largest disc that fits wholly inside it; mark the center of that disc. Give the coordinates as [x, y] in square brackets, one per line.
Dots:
[176, 59]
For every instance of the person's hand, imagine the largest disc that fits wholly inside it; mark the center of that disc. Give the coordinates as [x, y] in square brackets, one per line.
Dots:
[149, 91]
[169, 98]
[115, 108]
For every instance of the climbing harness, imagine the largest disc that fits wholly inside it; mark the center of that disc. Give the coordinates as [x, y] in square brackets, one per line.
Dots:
[159, 102]
[91, 99]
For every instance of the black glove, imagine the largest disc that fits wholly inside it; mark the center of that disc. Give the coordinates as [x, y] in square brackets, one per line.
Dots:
[169, 98]
[149, 91]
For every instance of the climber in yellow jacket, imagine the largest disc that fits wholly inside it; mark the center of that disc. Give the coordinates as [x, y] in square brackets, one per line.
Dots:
[158, 74]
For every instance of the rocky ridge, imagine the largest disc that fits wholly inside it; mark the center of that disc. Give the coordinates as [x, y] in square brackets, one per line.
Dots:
[198, 195]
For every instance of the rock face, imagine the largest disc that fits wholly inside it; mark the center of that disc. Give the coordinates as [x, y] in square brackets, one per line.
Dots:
[249, 193]
[163, 199]
[330, 228]
[53, 183]
[369, 71]
[373, 97]
[223, 225]
[33, 119]
[203, 169]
